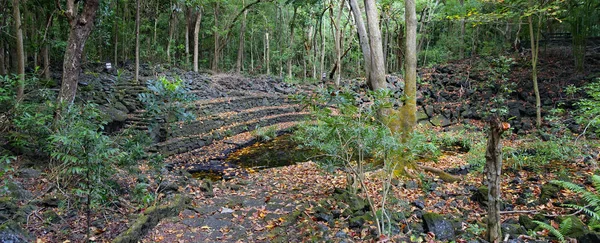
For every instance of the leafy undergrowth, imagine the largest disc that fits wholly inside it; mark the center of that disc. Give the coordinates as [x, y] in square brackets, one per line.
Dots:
[302, 202]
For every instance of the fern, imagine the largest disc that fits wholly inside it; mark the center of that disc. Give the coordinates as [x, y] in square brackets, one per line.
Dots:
[557, 233]
[592, 199]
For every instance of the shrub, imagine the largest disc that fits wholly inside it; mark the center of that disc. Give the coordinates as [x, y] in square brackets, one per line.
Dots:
[588, 112]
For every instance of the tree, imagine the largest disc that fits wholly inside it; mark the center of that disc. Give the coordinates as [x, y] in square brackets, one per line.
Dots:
[196, 41]
[409, 109]
[240, 54]
[377, 73]
[81, 26]
[493, 170]
[363, 37]
[20, 52]
[137, 40]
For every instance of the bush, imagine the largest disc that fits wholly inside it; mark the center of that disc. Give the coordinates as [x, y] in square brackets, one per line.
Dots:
[165, 104]
[588, 112]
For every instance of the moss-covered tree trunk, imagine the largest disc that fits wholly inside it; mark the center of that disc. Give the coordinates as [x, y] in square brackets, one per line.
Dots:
[493, 171]
[20, 51]
[377, 74]
[409, 109]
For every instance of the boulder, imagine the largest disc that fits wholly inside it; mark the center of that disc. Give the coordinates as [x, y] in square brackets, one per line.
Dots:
[577, 229]
[549, 190]
[11, 232]
[439, 225]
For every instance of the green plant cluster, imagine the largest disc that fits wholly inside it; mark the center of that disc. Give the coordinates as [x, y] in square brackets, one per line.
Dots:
[588, 112]
[165, 104]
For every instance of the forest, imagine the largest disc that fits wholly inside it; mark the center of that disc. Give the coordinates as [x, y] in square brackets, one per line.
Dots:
[300, 121]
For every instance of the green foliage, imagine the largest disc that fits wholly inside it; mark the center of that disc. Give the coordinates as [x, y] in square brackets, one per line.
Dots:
[5, 167]
[142, 194]
[264, 134]
[564, 227]
[166, 104]
[84, 155]
[536, 153]
[588, 112]
[592, 199]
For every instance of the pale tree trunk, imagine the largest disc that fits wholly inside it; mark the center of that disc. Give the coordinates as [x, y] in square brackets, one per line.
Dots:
[240, 54]
[315, 53]
[493, 171]
[81, 27]
[363, 37]
[461, 46]
[20, 52]
[338, 42]
[116, 28]
[534, 60]
[45, 55]
[188, 17]
[156, 15]
[409, 109]
[2, 59]
[377, 66]
[267, 56]
[196, 41]
[291, 43]
[137, 41]
[172, 22]
[215, 62]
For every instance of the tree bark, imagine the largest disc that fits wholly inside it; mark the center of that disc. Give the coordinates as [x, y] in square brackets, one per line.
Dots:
[377, 73]
[240, 54]
[45, 47]
[267, 57]
[409, 109]
[291, 43]
[363, 37]
[215, 62]
[137, 41]
[20, 51]
[81, 27]
[196, 40]
[338, 43]
[534, 59]
[493, 171]
[188, 17]
[116, 28]
[2, 59]
[172, 21]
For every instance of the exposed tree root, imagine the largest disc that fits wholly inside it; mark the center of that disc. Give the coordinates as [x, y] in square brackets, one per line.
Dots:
[442, 174]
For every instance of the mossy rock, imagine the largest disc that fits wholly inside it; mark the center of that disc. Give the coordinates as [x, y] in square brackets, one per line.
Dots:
[549, 190]
[12, 232]
[527, 222]
[150, 218]
[480, 196]
[439, 225]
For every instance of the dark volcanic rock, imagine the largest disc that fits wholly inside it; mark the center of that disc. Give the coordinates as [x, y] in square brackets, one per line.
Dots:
[439, 225]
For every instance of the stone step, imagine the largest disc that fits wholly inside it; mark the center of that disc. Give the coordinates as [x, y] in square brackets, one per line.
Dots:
[184, 144]
[205, 124]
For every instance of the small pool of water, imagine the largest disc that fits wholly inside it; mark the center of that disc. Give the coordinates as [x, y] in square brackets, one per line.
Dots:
[280, 151]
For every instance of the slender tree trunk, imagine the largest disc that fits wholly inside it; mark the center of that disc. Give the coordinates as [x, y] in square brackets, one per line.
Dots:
[409, 109]
[291, 43]
[534, 60]
[45, 47]
[188, 19]
[20, 52]
[196, 41]
[116, 29]
[337, 42]
[215, 63]
[493, 171]
[2, 59]
[156, 15]
[461, 46]
[240, 54]
[137, 41]
[267, 56]
[81, 27]
[377, 66]
[172, 22]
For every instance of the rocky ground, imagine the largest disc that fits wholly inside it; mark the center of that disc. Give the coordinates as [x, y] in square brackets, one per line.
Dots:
[299, 202]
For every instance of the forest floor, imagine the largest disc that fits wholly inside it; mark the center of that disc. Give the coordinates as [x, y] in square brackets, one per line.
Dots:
[304, 202]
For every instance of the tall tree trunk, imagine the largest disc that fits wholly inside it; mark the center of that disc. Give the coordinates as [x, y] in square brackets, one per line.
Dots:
[81, 27]
[188, 19]
[493, 171]
[215, 62]
[20, 51]
[534, 59]
[2, 59]
[156, 15]
[377, 66]
[196, 40]
[137, 41]
[337, 25]
[409, 109]
[45, 47]
[240, 54]
[291, 43]
[116, 29]
[461, 46]
[172, 22]
[267, 56]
